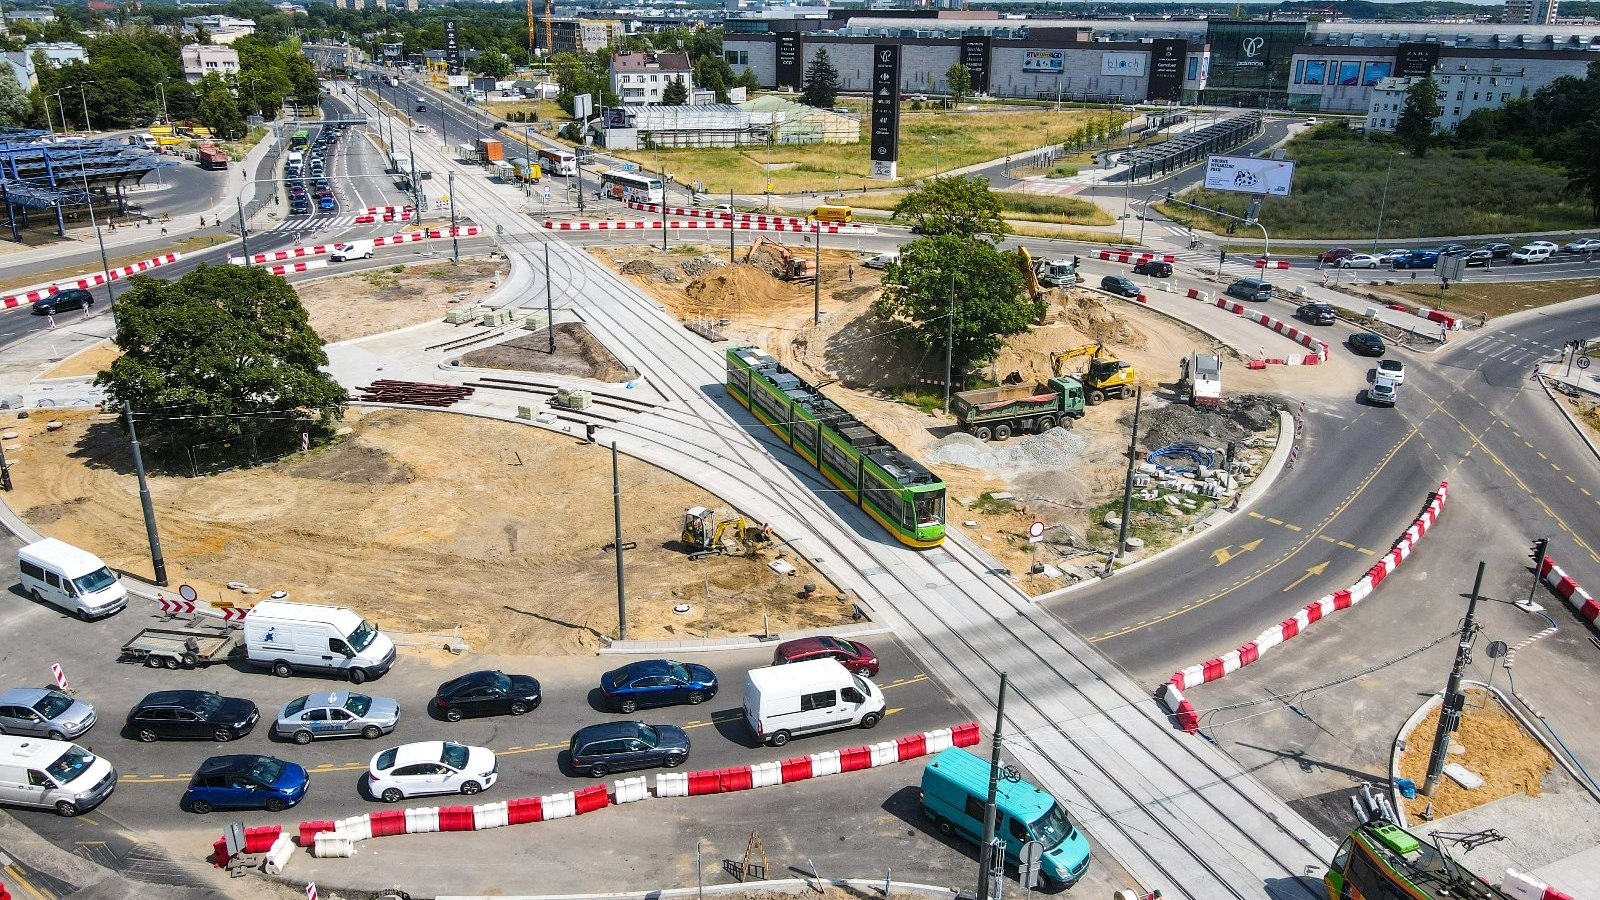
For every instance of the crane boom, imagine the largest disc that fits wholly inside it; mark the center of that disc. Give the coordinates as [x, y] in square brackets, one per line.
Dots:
[532, 34]
[549, 40]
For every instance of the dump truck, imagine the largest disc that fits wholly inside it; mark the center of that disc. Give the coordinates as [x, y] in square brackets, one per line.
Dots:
[1106, 375]
[212, 158]
[1200, 379]
[1040, 274]
[998, 413]
[490, 151]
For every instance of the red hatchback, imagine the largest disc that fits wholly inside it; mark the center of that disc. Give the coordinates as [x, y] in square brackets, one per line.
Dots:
[1335, 255]
[856, 656]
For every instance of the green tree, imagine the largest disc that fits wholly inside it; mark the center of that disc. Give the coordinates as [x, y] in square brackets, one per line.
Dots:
[1583, 166]
[957, 205]
[960, 81]
[822, 82]
[749, 80]
[222, 352]
[219, 111]
[16, 109]
[494, 64]
[989, 305]
[676, 93]
[1414, 128]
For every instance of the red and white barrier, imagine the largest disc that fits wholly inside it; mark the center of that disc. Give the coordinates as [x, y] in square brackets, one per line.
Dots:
[174, 607]
[257, 259]
[1171, 693]
[292, 268]
[60, 675]
[750, 218]
[456, 231]
[406, 210]
[1273, 264]
[1289, 331]
[38, 292]
[1569, 590]
[1130, 257]
[1523, 886]
[799, 225]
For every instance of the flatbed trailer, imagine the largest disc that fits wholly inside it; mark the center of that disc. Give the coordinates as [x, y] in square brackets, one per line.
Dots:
[187, 648]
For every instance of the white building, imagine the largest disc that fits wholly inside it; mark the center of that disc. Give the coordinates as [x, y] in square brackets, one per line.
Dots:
[36, 16]
[1462, 92]
[1531, 12]
[21, 65]
[640, 78]
[200, 60]
[222, 29]
[58, 53]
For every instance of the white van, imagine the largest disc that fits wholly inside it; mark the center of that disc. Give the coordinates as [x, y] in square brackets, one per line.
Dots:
[74, 580]
[805, 697]
[53, 775]
[295, 158]
[303, 637]
[352, 250]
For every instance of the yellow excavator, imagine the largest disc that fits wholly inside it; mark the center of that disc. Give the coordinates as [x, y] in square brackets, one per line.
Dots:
[705, 536]
[1106, 377]
[1038, 275]
[794, 268]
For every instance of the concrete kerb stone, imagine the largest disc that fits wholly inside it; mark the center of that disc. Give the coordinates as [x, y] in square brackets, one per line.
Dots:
[1567, 414]
[709, 645]
[797, 886]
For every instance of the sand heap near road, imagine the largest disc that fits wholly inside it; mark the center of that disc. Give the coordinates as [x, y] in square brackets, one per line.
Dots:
[737, 288]
[1237, 418]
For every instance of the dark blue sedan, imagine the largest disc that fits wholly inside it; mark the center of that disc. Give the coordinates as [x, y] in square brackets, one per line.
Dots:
[245, 781]
[657, 682]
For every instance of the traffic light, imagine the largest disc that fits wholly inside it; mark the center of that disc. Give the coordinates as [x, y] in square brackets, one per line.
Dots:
[1222, 256]
[1539, 547]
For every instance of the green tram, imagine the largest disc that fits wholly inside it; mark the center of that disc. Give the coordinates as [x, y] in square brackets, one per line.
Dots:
[890, 486]
[1382, 861]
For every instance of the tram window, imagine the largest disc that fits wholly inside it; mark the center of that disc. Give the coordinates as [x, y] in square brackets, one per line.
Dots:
[930, 509]
[1365, 877]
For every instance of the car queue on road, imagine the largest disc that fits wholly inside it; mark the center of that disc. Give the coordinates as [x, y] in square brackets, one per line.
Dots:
[1486, 255]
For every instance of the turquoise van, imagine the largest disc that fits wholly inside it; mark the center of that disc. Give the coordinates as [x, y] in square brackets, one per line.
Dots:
[954, 786]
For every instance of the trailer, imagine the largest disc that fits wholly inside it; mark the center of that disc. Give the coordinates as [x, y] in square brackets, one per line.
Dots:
[999, 412]
[188, 648]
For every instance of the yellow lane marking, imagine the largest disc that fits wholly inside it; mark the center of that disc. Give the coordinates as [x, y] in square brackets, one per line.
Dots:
[15, 875]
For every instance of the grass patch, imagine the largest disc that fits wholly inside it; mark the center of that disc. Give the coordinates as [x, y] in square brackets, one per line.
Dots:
[988, 504]
[201, 242]
[1152, 521]
[1492, 298]
[928, 399]
[1339, 185]
[1062, 233]
[959, 139]
[1018, 205]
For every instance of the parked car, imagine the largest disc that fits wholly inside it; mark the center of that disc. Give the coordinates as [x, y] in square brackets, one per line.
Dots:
[1452, 249]
[1582, 245]
[1155, 268]
[489, 692]
[1392, 369]
[245, 781]
[1480, 257]
[1117, 284]
[856, 656]
[1390, 256]
[657, 682]
[1360, 261]
[71, 298]
[336, 714]
[1382, 392]
[1498, 250]
[1417, 259]
[44, 712]
[327, 204]
[1366, 343]
[431, 767]
[1548, 245]
[881, 261]
[1250, 289]
[599, 750]
[1530, 254]
[1334, 255]
[191, 714]
[1316, 313]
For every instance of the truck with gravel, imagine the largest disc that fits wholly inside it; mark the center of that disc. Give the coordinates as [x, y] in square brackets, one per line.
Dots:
[999, 412]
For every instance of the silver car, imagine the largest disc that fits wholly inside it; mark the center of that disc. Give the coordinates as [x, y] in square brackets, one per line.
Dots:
[44, 712]
[336, 714]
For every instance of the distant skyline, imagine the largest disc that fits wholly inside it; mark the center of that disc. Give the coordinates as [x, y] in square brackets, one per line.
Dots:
[1068, 4]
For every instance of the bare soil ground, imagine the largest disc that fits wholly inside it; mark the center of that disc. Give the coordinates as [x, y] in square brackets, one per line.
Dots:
[578, 355]
[1498, 750]
[358, 305]
[88, 361]
[1058, 478]
[424, 521]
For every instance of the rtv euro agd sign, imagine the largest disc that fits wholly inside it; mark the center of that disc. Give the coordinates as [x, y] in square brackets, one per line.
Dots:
[1250, 175]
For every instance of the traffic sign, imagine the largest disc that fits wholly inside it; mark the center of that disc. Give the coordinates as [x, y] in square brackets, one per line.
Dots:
[1028, 864]
[60, 676]
[188, 593]
[1583, 362]
[1035, 532]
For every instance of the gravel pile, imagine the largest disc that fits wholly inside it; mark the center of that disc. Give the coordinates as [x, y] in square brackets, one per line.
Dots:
[1239, 417]
[639, 267]
[1057, 448]
[698, 266]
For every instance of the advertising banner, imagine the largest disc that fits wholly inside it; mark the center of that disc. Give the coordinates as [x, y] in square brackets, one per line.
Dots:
[1316, 71]
[1047, 62]
[1375, 72]
[1415, 60]
[885, 110]
[457, 81]
[976, 51]
[1166, 69]
[1349, 73]
[1250, 175]
[1122, 63]
[791, 61]
[452, 48]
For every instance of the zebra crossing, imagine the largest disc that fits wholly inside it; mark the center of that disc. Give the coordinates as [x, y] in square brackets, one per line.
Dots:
[312, 223]
[1510, 348]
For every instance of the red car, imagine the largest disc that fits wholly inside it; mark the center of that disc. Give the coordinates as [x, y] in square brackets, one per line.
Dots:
[1334, 255]
[856, 656]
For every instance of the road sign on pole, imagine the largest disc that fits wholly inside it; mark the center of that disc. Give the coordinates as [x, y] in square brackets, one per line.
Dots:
[1028, 864]
[188, 593]
[1035, 532]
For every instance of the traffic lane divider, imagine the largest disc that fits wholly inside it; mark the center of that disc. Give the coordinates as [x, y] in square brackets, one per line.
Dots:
[1171, 694]
[1132, 257]
[1568, 589]
[649, 224]
[296, 267]
[35, 293]
[281, 255]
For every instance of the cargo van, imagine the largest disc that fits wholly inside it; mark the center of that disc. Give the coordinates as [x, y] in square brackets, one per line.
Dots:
[55, 775]
[806, 697]
[955, 785]
[74, 580]
[835, 214]
[304, 637]
[352, 250]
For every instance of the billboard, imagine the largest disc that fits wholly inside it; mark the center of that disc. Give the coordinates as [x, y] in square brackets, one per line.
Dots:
[1047, 62]
[1415, 59]
[885, 110]
[452, 48]
[457, 81]
[1122, 63]
[1316, 71]
[1250, 175]
[1374, 72]
[976, 51]
[791, 61]
[1349, 74]
[1166, 69]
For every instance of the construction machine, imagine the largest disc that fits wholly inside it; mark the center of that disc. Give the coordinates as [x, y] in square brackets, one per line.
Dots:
[795, 268]
[1106, 376]
[705, 535]
[1040, 274]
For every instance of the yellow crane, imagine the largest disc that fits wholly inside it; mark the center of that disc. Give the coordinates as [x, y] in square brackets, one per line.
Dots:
[533, 28]
[1107, 375]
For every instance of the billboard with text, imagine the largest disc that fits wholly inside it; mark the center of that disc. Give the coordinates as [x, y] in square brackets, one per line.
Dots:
[1250, 175]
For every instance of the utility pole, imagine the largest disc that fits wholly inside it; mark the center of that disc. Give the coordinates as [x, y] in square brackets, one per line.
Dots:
[157, 562]
[949, 343]
[549, 304]
[664, 196]
[730, 224]
[244, 238]
[616, 526]
[455, 239]
[1127, 484]
[988, 884]
[1450, 712]
[816, 283]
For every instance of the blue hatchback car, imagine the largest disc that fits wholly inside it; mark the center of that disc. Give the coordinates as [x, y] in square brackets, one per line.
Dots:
[657, 682]
[327, 203]
[245, 781]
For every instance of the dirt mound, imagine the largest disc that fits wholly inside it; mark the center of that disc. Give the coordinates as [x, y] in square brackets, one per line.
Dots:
[1091, 317]
[578, 354]
[1237, 418]
[350, 463]
[640, 267]
[737, 288]
[699, 265]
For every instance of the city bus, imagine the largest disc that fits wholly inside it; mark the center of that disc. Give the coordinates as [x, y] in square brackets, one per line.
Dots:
[558, 162]
[300, 139]
[620, 185]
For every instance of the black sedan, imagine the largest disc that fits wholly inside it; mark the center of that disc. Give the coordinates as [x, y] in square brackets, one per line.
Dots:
[191, 714]
[1482, 256]
[1155, 268]
[486, 693]
[1498, 251]
[71, 298]
[1366, 343]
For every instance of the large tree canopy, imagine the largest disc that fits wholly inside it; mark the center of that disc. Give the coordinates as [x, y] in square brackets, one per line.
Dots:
[956, 205]
[221, 352]
[989, 304]
[1414, 128]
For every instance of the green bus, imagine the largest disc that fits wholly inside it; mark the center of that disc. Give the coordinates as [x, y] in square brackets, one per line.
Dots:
[300, 139]
[888, 485]
[1382, 861]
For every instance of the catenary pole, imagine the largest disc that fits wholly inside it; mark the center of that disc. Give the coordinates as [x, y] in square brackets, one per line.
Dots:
[1450, 711]
[157, 562]
[989, 813]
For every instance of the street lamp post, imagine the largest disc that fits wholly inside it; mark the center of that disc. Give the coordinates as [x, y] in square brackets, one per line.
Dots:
[62, 107]
[1383, 201]
[84, 99]
[936, 143]
[105, 263]
[1147, 206]
[161, 87]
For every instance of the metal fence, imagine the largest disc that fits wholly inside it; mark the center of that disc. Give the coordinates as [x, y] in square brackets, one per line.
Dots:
[1184, 150]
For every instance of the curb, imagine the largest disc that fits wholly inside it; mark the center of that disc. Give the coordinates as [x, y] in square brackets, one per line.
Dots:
[619, 648]
[1587, 442]
[860, 886]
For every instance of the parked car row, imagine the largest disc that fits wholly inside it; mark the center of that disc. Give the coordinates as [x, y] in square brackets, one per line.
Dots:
[1426, 258]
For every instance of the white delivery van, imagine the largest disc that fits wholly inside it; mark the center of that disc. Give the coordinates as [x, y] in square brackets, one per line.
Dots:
[303, 637]
[60, 574]
[352, 250]
[806, 697]
[53, 775]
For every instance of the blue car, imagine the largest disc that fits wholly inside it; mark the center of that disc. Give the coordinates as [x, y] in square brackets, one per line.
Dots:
[657, 682]
[1417, 259]
[327, 203]
[245, 781]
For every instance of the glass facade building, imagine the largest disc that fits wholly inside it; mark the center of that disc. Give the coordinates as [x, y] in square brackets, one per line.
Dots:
[1251, 62]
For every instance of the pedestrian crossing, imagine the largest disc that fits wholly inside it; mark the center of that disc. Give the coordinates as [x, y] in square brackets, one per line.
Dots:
[1512, 349]
[296, 224]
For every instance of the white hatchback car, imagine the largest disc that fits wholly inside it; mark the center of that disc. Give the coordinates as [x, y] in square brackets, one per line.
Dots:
[1392, 369]
[431, 767]
[1360, 261]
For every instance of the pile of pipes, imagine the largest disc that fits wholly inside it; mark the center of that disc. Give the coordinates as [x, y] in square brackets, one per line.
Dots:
[412, 393]
[1177, 472]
